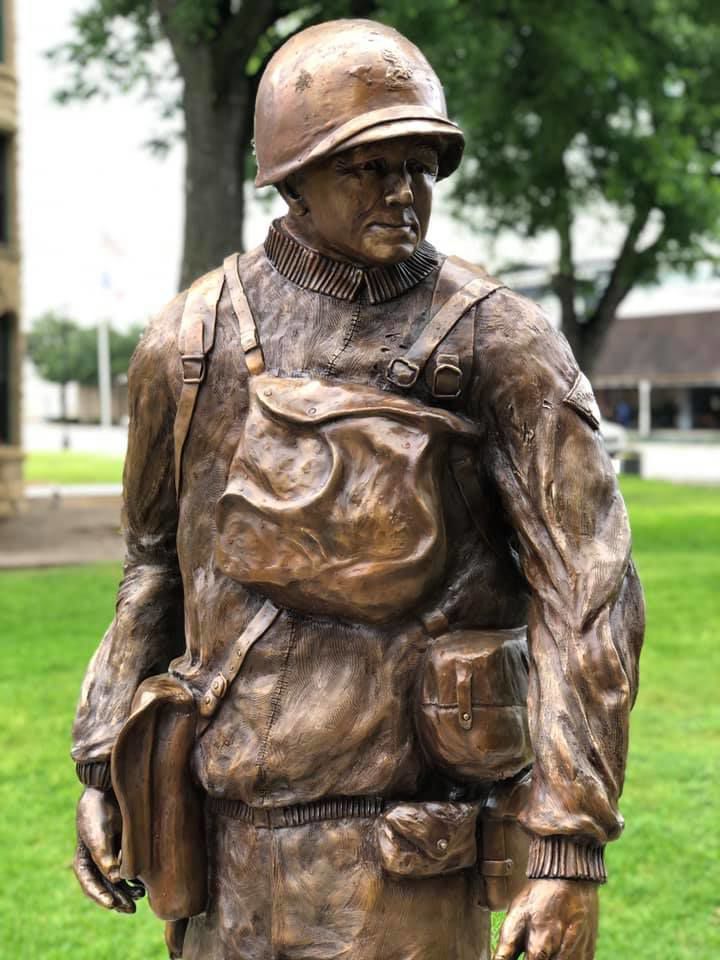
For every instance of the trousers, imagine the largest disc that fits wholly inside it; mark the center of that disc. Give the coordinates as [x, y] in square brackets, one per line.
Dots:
[318, 892]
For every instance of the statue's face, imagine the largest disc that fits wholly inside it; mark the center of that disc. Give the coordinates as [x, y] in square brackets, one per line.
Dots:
[370, 204]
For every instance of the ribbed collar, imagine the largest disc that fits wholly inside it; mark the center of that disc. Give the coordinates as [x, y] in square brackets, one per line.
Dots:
[316, 272]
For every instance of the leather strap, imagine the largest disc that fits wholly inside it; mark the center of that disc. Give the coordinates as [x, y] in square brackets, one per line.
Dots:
[233, 660]
[454, 274]
[195, 340]
[404, 370]
[249, 339]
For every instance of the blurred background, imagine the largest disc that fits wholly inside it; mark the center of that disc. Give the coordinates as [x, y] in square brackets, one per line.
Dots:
[591, 183]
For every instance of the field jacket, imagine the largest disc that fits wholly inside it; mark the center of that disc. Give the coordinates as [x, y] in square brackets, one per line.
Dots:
[325, 708]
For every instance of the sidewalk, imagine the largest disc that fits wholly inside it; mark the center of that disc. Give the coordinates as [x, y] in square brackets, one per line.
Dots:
[680, 462]
[62, 530]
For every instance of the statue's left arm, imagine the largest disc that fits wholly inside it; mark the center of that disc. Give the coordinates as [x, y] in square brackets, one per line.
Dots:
[147, 630]
[559, 490]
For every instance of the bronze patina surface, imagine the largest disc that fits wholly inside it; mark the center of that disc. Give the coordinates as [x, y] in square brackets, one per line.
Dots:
[377, 639]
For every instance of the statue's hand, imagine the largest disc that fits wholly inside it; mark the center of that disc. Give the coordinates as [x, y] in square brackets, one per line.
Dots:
[96, 863]
[551, 920]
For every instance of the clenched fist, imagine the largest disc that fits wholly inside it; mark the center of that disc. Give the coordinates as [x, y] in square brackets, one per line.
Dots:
[96, 863]
[551, 920]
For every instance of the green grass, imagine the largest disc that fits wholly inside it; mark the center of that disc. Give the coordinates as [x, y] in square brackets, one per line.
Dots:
[70, 467]
[663, 899]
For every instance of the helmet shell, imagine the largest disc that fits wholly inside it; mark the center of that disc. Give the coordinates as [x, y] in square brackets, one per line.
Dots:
[343, 83]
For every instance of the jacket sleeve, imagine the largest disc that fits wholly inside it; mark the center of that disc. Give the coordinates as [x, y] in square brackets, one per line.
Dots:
[147, 630]
[586, 617]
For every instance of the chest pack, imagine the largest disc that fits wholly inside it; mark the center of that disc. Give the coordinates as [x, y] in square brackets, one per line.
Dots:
[333, 501]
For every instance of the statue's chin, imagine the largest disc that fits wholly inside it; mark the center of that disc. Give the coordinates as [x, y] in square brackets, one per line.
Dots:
[382, 252]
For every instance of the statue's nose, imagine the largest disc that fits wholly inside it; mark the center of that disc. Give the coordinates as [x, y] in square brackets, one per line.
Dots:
[399, 192]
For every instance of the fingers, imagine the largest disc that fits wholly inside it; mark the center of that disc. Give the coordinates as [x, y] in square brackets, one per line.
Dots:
[98, 829]
[512, 936]
[90, 879]
[120, 897]
[124, 898]
[135, 888]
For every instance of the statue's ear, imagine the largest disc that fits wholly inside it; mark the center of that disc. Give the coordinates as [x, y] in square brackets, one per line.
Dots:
[289, 190]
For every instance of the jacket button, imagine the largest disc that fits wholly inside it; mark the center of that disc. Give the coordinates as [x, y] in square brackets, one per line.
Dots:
[219, 686]
[442, 845]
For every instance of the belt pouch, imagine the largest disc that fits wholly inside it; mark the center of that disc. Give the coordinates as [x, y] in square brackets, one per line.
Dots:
[503, 843]
[163, 829]
[427, 839]
[472, 715]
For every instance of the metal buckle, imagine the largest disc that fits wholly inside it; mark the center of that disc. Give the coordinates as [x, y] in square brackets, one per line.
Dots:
[189, 376]
[407, 379]
[447, 363]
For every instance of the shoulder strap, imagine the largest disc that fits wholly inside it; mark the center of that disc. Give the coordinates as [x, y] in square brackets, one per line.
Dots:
[249, 339]
[404, 370]
[233, 660]
[196, 338]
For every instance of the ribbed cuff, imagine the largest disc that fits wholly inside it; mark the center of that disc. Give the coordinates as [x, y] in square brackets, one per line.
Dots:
[561, 858]
[94, 774]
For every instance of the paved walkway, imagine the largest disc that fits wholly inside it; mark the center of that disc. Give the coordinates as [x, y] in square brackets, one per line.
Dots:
[680, 462]
[62, 531]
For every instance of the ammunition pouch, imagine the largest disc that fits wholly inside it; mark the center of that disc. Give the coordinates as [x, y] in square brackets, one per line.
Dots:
[472, 715]
[502, 843]
[427, 839]
[163, 838]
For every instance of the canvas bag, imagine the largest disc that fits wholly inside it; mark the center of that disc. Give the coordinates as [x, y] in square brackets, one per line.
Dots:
[333, 503]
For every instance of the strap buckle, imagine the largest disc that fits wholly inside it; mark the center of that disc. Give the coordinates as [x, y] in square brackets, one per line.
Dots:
[402, 378]
[447, 377]
[193, 367]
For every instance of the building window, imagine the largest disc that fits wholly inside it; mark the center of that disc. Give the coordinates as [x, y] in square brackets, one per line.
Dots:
[4, 188]
[6, 343]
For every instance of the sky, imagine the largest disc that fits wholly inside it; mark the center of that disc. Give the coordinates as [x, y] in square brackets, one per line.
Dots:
[102, 218]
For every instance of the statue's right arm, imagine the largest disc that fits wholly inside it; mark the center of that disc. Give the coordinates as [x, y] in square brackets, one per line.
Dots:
[147, 630]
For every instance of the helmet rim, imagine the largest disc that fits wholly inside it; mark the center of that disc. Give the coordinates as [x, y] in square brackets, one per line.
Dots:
[384, 124]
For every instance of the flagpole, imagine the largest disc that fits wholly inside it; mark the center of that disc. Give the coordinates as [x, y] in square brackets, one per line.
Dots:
[104, 375]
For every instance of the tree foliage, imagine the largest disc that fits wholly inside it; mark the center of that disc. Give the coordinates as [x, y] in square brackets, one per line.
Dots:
[60, 349]
[218, 49]
[610, 105]
[65, 352]
[568, 107]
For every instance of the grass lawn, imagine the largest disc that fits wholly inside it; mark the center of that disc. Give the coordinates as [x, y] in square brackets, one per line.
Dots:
[69, 466]
[662, 902]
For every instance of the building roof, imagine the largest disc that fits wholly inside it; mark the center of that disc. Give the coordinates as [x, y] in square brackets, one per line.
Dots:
[670, 349]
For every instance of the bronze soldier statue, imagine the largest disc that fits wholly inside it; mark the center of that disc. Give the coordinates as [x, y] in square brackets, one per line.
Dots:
[376, 642]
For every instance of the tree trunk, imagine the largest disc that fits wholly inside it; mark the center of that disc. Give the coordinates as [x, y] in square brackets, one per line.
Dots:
[587, 334]
[63, 402]
[217, 135]
[587, 339]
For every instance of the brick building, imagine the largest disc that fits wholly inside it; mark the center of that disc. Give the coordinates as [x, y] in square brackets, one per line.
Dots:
[10, 341]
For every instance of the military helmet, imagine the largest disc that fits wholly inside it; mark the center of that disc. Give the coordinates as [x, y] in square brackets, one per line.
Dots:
[343, 83]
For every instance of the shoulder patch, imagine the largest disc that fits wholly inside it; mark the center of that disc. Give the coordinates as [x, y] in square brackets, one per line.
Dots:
[582, 399]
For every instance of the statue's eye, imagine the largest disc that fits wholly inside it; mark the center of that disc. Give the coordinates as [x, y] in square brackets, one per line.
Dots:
[372, 166]
[415, 166]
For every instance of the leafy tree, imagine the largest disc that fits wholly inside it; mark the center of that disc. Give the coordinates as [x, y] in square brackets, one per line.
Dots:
[62, 352]
[219, 48]
[65, 352]
[122, 345]
[566, 106]
[571, 106]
